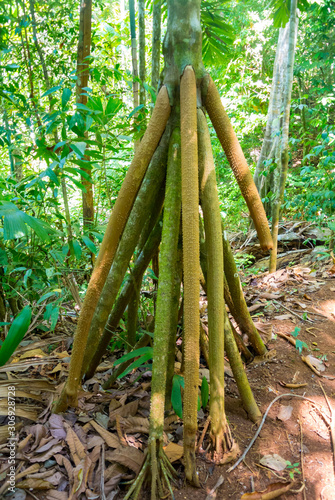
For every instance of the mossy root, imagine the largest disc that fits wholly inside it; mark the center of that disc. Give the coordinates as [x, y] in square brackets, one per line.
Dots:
[215, 295]
[191, 279]
[109, 245]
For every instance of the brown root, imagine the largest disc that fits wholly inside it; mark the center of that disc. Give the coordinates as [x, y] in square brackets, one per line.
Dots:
[237, 161]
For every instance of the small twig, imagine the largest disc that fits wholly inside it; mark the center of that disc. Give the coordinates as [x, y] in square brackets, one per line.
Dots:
[262, 423]
[292, 312]
[202, 437]
[316, 314]
[302, 459]
[331, 423]
[290, 339]
[269, 470]
[119, 431]
[309, 331]
[37, 315]
[289, 442]
[102, 475]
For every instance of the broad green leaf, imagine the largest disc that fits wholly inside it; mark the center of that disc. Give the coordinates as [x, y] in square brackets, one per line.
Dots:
[134, 354]
[26, 276]
[98, 236]
[90, 245]
[66, 95]
[140, 361]
[54, 317]
[15, 223]
[176, 400]
[46, 296]
[77, 249]
[3, 258]
[16, 333]
[52, 90]
[52, 176]
[77, 183]
[204, 392]
[113, 106]
[135, 110]
[79, 148]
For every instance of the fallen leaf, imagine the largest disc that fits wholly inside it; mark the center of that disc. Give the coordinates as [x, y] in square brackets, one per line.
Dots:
[77, 448]
[94, 441]
[80, 475]
[174, 451]
[128, 410]
[29, 470]
[22, 444]
[19, 394]
[283, 317]
[131, 425]
[42, 457]
[255, 307]
[111, 440]
[47, 446]
[128, 456]
[34, 353]
[315, 362]
[274, 462]
[21, 410]
[212, 494]
[56, 425]
[113, 470]
[4, 432]
[65, 462]
[58, 368]
[292, 386]
[274, 490]
[57, 495]
[31, 383]
[34, 484]
[269, 296]
[61, 355]
[284, 413]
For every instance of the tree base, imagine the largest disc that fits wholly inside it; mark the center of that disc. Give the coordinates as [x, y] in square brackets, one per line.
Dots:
[158, 466]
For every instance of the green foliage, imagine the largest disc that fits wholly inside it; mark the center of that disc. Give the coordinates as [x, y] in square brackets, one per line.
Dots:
[178, 385]
[293, 469]
[204, 392]
[299, 344]
[16, 333]
[143, 354]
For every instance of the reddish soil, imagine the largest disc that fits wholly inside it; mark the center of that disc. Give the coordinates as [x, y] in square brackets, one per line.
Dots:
[283, 437]
[298, 290]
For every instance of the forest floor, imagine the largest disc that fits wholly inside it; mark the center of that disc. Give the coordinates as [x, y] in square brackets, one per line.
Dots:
[102, 442]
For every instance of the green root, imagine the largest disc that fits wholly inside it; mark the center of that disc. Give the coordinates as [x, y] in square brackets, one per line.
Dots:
[158, 470]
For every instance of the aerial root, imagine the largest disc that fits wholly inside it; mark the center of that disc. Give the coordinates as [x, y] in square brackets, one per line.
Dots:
[162, 473]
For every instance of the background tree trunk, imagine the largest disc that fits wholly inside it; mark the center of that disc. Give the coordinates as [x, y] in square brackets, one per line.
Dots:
[280, 173]
[156, 44]
[141, 52]
[83, 52]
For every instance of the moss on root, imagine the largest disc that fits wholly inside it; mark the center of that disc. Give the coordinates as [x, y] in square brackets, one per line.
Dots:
[191, 278]
[115, 227]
